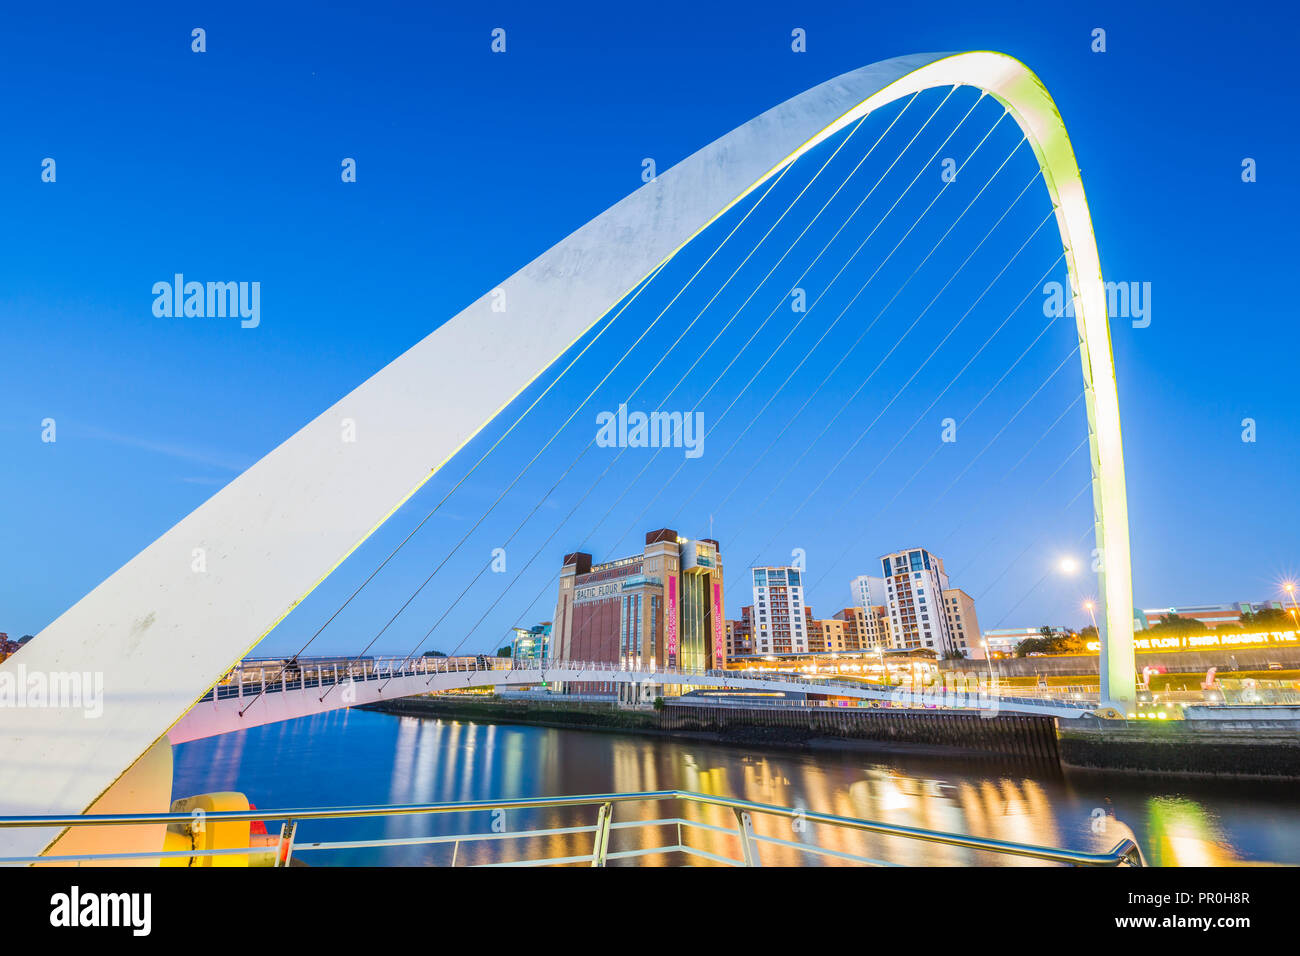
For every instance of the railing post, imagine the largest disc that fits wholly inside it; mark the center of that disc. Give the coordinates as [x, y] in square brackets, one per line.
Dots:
[1130, 854]
[284, 851]
[749, 850]
[602, 834]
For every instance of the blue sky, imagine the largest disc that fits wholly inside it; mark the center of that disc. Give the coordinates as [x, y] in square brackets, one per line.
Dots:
[225, 165]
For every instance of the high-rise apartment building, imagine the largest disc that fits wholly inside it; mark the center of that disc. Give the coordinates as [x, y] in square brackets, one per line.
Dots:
[915, 582]
[779, 621]
[871, 594]
[867, 590]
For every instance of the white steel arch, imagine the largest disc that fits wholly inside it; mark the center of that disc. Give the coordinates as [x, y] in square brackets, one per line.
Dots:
[161, 635]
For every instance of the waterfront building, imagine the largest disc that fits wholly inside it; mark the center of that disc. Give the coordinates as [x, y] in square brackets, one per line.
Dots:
[532, 643]
[963, 625]
[663, 606]
[899, 665]
[825, 636]
[813, 629]
[1002, 641]
[915, 582]
[779, 625]
[865, 628]
[871, 595]
[867, 590]
[1211, 615]
[854, 622]
[879, 633]
[740, 635]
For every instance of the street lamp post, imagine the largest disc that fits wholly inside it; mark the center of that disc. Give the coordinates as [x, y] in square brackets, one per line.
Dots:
[1123, 666]
[1089, 607]
[1289, 588]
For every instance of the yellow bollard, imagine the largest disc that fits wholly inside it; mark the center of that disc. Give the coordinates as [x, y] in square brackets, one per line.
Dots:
[203, 834]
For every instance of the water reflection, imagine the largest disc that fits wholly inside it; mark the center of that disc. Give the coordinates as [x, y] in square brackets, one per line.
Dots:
[356, 757]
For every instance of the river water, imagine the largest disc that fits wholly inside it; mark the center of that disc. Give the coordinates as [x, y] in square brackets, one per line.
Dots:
[354, 757]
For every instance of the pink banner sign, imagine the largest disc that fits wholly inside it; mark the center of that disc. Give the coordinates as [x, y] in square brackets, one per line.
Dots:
[719, 639]
[670, 622]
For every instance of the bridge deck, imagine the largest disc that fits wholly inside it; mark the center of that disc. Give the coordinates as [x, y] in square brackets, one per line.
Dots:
[240, 705]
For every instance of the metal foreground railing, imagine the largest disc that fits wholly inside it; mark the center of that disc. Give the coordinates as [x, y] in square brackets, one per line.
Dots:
[744, 813]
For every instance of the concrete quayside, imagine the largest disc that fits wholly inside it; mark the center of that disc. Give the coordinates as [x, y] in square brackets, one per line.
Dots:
[1220, 741]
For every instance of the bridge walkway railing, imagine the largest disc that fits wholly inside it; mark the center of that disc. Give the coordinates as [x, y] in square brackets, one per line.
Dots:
[307, 676]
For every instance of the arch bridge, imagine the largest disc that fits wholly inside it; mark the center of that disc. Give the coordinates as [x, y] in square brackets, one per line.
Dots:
[162, 635]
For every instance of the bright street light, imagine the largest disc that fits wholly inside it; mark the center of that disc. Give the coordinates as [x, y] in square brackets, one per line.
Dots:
[1289, 588]
[1068, 565]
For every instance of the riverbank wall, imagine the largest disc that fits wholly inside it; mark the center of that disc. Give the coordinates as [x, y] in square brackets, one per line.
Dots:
[1247, 745]
[1024, 737]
